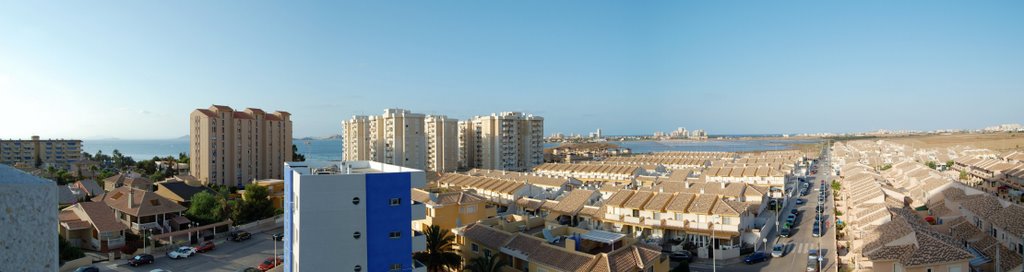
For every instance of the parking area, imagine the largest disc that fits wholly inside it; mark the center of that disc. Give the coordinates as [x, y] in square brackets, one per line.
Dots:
[228, 256]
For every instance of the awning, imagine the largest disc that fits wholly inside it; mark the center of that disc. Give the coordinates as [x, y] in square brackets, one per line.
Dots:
[180, 220]
[603, 236]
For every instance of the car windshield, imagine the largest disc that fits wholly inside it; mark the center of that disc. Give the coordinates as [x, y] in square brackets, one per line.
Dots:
[138, 257]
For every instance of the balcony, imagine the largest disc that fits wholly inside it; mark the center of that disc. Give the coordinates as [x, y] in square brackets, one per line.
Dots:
[417, 266]
[675, 223]
[419, 241]
[614, 217]
[419, 211]
[653, 222]
[631, 220]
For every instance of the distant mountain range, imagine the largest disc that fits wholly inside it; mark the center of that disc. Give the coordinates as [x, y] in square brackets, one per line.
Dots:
[331, 137]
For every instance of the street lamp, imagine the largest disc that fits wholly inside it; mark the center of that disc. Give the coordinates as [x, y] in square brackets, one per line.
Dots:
[714, 266]
[765, 241]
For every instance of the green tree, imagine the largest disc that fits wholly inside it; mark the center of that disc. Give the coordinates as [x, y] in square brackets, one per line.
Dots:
[886, 167]
[67, 251]
[183, 158]
[931, 165]
[963, 175]
[255, 205]
[295, 154]
[949, 164]
[488, 263]
[439, 255]
[206, 208]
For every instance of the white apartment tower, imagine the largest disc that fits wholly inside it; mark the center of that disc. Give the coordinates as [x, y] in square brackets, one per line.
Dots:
[356, 139]
[506, 141]
[397, 137]
[442, 143]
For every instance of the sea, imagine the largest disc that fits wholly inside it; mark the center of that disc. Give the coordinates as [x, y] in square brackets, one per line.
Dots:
[321, 153]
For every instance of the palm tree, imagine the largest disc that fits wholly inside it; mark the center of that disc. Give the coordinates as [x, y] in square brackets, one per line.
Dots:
[488, 263]
[439, 255]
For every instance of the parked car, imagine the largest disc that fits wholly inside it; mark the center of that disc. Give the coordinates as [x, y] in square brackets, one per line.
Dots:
[812, 254]
[817, 230]
[206, 246]
[248, 269]
[794, 211]
[778, 250]
[278, 236]
[786, 232]
[239, 236]
[791, 218]
[159, 270]
[270, 263]
[681, 255]
[812, 265]
[140, 260]
[756, 257]
[800, 201]
[87, 268]
[181, 252]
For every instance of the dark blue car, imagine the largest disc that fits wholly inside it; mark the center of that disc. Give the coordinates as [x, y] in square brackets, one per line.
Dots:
[756, 257]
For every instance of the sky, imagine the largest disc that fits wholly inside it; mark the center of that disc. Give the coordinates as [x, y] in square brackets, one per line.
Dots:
[136, 69]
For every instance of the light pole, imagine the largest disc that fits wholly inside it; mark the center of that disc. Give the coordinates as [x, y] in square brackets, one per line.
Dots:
[765, 241]
[714, 266]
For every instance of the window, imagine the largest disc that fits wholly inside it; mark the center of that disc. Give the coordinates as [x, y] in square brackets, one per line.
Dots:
[395, 235]
[475, 247]
[396, 201]
[487, 252]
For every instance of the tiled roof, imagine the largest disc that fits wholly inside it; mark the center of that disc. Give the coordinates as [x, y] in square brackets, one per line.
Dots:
[592, 211]
[145, 203]
[981, 205]
[530, 203]
[182, 190]
[702, 204]
[658, 202]
[638, 200]
[573, 202]
[620, 197]
[486, 236]
[98, 215]
[1010, 219]
[930, 250]
[680, 202]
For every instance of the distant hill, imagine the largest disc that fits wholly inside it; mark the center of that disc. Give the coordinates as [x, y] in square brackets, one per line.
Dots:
[332, 137]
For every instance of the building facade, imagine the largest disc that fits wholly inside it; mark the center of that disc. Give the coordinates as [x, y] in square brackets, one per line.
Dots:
[29, 206]
[506, 141]
[229, 147]
[358, 218]
[59, 153]
[356, 139]
[442, 143]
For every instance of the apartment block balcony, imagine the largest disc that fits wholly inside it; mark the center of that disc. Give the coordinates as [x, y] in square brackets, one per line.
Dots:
[614, 217]
[632, 220]
[419, 241]
[419, 210]
[417, 266]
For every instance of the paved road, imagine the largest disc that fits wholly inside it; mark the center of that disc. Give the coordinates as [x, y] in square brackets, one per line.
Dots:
[802, 240]
[229, 256]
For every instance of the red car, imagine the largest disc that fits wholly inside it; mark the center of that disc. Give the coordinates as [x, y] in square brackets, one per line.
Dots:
[269, 263]
[207, 246]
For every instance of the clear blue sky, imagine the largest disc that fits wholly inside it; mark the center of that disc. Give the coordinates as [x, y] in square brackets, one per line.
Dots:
[127, 69]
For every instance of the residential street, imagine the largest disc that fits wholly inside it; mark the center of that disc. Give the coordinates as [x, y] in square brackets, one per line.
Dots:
[228, 256]
[802, 240]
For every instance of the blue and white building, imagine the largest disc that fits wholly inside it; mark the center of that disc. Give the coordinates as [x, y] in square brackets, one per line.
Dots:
[356, 219]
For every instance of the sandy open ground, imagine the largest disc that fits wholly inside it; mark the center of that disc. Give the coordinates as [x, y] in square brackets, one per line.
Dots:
[1002, 142]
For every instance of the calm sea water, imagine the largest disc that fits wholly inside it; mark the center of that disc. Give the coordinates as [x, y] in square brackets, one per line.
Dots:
[324, 152]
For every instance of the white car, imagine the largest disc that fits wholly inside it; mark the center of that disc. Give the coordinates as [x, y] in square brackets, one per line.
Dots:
[181, 252]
